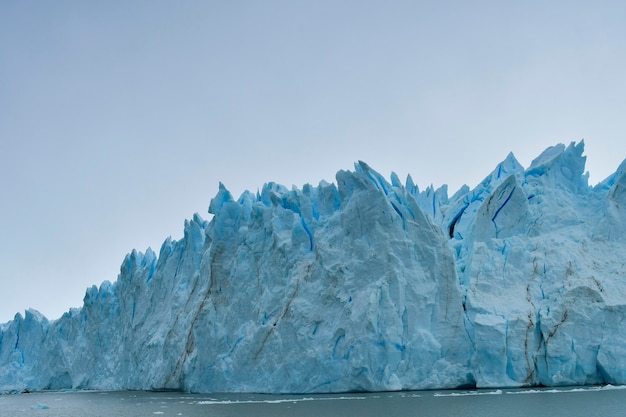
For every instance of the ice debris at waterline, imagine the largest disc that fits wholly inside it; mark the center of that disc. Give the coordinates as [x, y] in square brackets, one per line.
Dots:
[362, 285]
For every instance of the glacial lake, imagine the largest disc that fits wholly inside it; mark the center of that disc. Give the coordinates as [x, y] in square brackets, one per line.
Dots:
[606, 401]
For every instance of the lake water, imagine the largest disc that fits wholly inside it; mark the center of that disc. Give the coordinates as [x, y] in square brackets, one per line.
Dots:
[587, 401]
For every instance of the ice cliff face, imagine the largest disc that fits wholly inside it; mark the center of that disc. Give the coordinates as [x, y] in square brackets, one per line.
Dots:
[362, 285]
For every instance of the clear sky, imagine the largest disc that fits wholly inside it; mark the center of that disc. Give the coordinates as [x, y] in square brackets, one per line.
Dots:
[118, 119]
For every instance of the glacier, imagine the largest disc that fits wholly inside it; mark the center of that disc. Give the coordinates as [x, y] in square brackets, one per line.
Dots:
[366, 284]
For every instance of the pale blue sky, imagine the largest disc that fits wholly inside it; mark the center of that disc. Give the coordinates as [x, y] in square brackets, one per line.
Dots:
[119, 118]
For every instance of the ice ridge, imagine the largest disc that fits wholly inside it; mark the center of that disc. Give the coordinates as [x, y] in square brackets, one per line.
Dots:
[360, 285]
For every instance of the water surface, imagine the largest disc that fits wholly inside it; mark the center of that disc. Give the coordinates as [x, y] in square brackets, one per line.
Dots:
[588, 401]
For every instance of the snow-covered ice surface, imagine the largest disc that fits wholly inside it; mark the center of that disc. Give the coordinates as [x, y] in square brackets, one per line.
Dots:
[361, 285]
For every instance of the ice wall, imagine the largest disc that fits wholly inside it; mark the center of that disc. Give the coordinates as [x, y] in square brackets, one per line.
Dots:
[360, 285]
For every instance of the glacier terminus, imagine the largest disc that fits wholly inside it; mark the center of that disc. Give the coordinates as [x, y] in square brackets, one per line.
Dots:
[366, 284]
